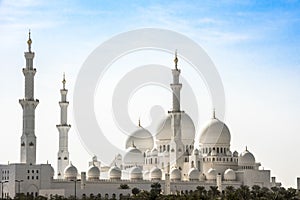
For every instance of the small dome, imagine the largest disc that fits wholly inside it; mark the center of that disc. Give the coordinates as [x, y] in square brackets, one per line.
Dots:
[141, 138]
[194, 174]
[115, 173]
[154, 152]
[202, 177]
[229, 175]
[175, 174]
[246, 158]
[93, 173]
[146, 175]
[155, 173]
[136, 173]
[228, 153]
[133, 156]
[196, 152]
[235, 154]
[211, 174]
[71, 172]
[215, 132]
[164, 129]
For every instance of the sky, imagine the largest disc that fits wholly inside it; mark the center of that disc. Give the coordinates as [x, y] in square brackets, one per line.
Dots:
[254, 45]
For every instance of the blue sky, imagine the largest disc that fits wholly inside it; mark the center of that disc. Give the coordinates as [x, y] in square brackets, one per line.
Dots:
[254, 44]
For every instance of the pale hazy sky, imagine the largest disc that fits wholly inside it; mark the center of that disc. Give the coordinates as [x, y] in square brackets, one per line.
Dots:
[255, 46]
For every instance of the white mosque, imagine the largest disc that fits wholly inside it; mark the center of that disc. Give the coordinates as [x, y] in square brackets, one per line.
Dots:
[169, 158]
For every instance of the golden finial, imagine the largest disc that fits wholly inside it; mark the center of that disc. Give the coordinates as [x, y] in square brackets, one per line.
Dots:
[29, 41]
[139, 123]
[176, 59]
[64, 81]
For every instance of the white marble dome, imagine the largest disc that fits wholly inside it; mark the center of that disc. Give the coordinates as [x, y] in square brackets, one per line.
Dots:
[141, 138]
[155, 173]
[235, 154]
[228, 153]
[71, 172]
[93, 173]
[164, 130]
[215, 132]
[194, 174]
[175, 174]
[211, 174]
[229, 175]
[135, 173]
[246, 158]
[133, 156]
[114, 173]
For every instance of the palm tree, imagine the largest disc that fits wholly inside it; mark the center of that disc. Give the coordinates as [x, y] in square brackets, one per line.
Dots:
[213, 192]
[230, 193]
[243, 192]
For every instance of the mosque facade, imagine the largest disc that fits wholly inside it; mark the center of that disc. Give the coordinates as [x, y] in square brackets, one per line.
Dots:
[169, 158]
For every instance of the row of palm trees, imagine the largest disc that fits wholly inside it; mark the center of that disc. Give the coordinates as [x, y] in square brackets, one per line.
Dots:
[229, 193]
[201, 193]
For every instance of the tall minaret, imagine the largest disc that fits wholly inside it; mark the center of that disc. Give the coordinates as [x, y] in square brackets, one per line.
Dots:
[177, 147]
[28, 138]
[63, 128]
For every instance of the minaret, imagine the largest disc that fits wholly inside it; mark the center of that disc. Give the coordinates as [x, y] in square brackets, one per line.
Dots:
[63, 128]
[28, 138]
[177, 147]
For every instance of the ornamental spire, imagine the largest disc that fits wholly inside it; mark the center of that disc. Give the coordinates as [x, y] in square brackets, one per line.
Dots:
[29, 41]
[64, 81]
[176, 60]
[139, 122]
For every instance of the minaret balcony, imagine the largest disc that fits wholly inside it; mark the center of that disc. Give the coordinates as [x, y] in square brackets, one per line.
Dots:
[29, 71]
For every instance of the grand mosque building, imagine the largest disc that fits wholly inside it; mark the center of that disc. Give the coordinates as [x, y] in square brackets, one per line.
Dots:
[169, 158]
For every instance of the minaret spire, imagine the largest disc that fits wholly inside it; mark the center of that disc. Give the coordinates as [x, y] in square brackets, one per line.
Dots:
[64, 81]
[63, 128]
[29, 104]
[29, 41]
[176, 60]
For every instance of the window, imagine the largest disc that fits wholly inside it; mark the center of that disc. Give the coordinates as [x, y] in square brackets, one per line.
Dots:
[37, 171]
[28, 177]
[37, 178]
[59, 158]
[28, 171]
[32, 171]
[32, 177]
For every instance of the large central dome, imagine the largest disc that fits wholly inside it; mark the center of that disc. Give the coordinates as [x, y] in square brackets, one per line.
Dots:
[164, 130]
[215, 132]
